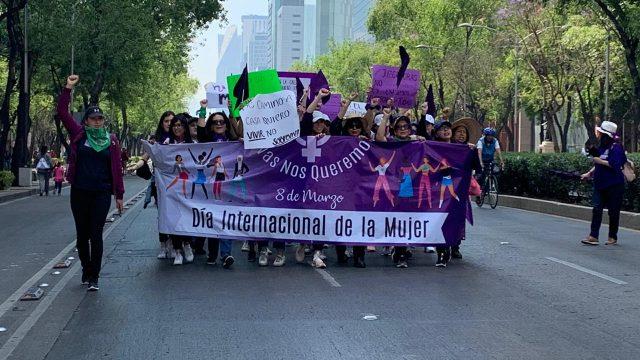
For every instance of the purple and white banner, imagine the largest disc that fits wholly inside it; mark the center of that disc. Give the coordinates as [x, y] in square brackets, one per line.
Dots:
[330, 189]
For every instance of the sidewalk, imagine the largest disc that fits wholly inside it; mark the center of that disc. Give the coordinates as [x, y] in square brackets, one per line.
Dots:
[18, 192]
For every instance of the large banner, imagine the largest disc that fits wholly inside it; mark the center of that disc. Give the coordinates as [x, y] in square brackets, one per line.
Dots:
[329, 189]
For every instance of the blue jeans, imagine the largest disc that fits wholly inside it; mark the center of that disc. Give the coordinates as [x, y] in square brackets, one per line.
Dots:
[223, 245]
[151, 191]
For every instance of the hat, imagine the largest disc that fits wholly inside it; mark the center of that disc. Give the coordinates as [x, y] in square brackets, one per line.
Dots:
[474, 129]
[429, 119]
[441, 123]
[93, 111]
[317, 115]
[607, 128]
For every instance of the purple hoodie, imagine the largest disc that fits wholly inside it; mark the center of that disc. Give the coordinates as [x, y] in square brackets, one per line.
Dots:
[76, 133]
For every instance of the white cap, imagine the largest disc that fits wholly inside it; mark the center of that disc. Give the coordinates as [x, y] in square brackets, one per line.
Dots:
[607, 128]
[317, 115]
[429, 119]
[378, 119]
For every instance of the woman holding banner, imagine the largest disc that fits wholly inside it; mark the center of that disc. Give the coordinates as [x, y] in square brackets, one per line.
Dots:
[401, 131]
[95, 174]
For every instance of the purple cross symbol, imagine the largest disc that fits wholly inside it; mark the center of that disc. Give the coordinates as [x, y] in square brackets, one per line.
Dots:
[311, 152]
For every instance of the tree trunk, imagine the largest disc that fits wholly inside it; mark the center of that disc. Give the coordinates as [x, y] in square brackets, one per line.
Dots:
[567, 123]
[5, 117]
[125, 125]
[551, 120]
[21, 153]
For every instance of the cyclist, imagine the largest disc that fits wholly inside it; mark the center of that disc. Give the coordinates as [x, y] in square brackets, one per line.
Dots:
[488, 146]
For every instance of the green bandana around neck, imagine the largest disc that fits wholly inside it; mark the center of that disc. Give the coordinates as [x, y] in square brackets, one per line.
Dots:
[98, 138]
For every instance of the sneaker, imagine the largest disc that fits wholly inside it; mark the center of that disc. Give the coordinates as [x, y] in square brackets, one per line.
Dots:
[263, 260]
[188, 253]
[279, 261]
[227, 261]
[164, 253]
[442, 260]
[385, 251]
[172, 252]
[456, 254]
[317, 261]
[269, 252]
[211, 261]
[371, 249]
[323, 256]
[300, 253]
[178, 259]
[402, 265]
[429, 250]
[85, 278]
[93, 285]
[245, 246]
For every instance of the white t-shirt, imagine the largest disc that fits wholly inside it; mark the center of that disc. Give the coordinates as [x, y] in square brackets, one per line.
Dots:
[382, 168]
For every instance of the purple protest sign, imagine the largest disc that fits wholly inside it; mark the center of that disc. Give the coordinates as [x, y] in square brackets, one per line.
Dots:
[329, 189]
[383, 86]
[332, 108]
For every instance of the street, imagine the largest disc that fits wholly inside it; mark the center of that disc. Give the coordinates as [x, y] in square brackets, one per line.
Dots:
[516, 294]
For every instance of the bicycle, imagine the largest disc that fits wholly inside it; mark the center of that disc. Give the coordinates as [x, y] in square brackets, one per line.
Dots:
[490, 185]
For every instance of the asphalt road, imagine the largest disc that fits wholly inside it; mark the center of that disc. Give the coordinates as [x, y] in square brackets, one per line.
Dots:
[525, 289]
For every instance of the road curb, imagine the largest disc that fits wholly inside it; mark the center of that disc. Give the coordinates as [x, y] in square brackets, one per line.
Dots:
[26, 193]
[629, 220]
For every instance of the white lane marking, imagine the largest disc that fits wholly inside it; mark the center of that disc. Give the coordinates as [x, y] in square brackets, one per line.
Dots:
[17, 337]
[8, 304]
[325, 275]
[31, 320]
[588, 271]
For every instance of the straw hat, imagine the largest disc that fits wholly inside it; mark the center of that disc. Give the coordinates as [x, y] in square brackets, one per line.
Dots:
[474, 129]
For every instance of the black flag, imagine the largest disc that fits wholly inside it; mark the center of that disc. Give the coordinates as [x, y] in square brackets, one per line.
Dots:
[404, 64]
[431, 101]
[241, 90]
[299, 89]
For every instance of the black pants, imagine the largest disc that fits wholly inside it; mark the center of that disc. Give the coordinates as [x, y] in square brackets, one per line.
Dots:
[90, 209]
[58, 187]
[358, 251]
[611, 198]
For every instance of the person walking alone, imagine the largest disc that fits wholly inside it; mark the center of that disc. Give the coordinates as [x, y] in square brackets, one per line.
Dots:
[95, 174]
[43, 168]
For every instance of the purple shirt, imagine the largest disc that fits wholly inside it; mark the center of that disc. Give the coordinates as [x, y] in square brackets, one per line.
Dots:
[607, 176]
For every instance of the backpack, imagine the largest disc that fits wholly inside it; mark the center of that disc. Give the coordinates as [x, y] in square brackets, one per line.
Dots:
[629, 171]
[43, 164]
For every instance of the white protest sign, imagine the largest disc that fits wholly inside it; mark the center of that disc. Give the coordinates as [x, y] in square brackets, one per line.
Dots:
[217, 95]
[357, 107]
[270, 120]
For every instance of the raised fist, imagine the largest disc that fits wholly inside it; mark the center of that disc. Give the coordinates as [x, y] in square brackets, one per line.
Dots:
[324, 92]
[353, 96]
[375, 101]
[72, 80]
[203, 103]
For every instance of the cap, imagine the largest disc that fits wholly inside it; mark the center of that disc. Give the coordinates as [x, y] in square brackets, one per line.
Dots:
[317, 115]
[93, 111]
[441, 123]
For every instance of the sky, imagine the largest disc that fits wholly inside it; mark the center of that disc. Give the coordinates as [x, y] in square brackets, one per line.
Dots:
[204, 50]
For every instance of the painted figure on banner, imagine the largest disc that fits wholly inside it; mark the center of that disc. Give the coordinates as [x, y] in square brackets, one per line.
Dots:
[382, 182]
[240, 169]
[201, 178]
[406, 184]
[219, 175]
[183, 174]
[425, 181]
[447, 181]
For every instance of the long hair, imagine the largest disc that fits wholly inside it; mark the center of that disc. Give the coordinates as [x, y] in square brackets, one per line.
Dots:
[209, 133]
[183, 118]
[350, 123]
[400, 119]
[161, 135]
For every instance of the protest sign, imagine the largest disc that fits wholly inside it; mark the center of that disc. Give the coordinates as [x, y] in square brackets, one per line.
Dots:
[383, 86]
[332, 189]
[357, 108]
[332, 108]
[260, 82]
[270, 120]
[217, 95]
[288, 79]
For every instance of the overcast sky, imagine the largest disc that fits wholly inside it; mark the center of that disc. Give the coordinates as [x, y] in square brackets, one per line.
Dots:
[204, 52]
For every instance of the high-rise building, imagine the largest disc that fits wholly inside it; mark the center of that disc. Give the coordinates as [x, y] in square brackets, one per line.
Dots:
[286, 33]
[251, 25]
[254, 38]
[333, 23]
[309, 29]
[229, 54]
[359, 15]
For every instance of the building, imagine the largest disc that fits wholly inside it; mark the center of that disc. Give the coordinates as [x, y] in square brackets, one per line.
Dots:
[286, 34]
[229, 54]
[359, 15]
[309, 29]
[255, 50]
[333, 23]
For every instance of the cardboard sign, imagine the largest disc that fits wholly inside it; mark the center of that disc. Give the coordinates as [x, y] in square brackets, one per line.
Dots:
[270, 120]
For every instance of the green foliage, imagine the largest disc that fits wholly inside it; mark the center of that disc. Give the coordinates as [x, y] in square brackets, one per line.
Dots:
[529, 174]
[6, 179]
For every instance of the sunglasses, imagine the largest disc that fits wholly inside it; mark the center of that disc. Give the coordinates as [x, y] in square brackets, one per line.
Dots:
[402, 127]
[217, 122]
